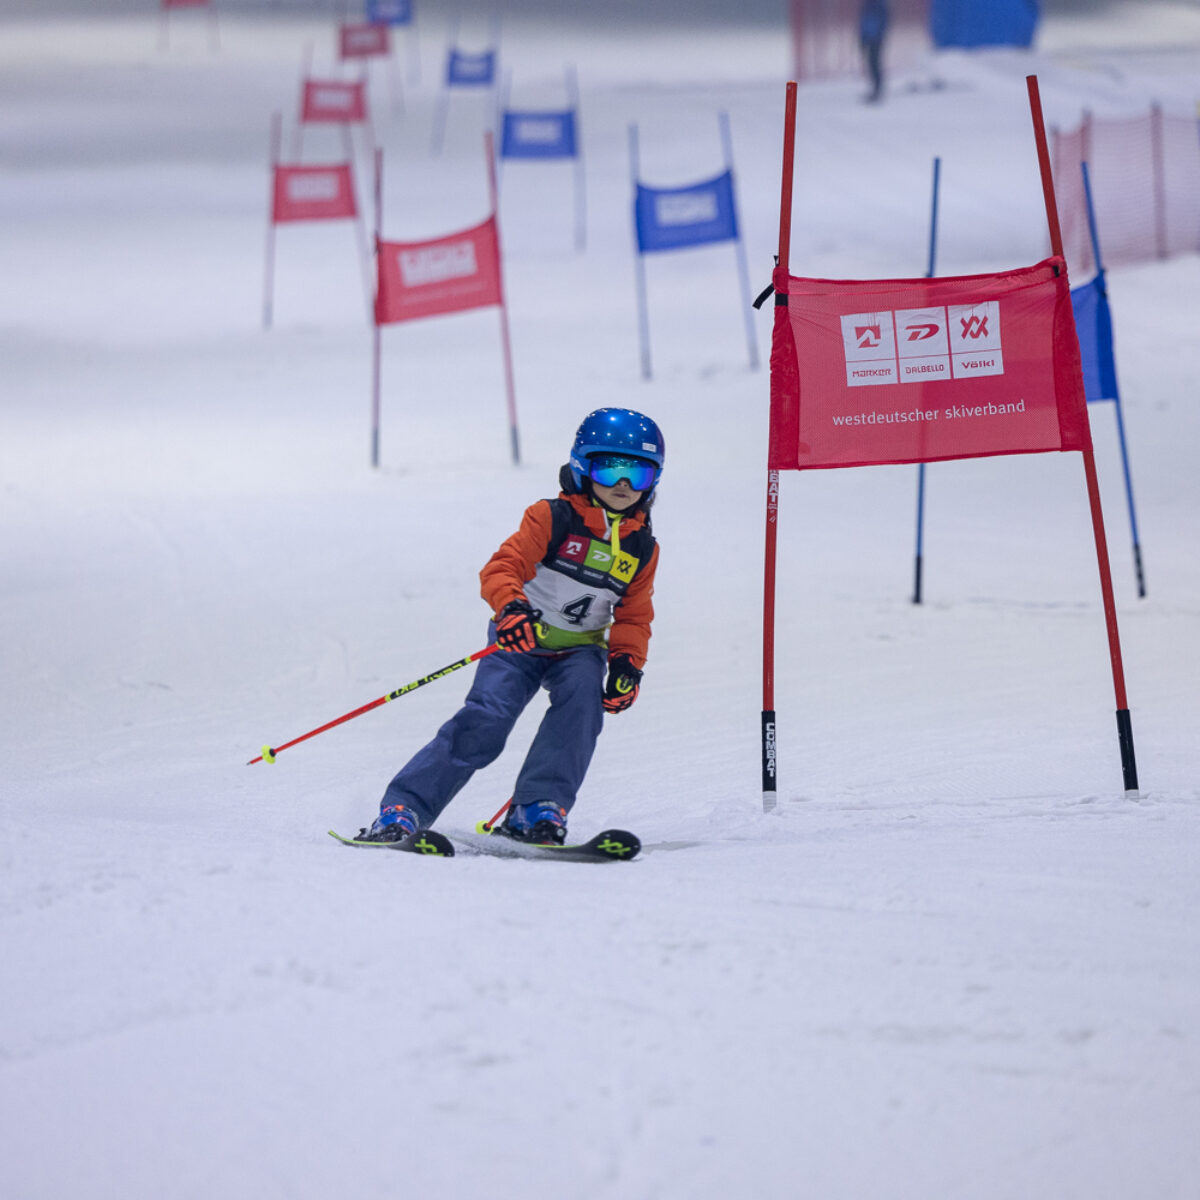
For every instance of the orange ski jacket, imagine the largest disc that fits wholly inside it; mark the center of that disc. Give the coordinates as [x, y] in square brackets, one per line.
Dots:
[589, 572]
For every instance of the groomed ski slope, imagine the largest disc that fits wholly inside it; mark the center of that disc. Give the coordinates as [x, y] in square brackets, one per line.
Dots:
[958, 962]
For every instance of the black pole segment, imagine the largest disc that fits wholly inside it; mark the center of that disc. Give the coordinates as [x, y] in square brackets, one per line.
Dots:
[1128, 761]
[768, 759]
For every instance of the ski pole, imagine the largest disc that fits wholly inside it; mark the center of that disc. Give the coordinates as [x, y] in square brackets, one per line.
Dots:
[488, 826]
[269, 752]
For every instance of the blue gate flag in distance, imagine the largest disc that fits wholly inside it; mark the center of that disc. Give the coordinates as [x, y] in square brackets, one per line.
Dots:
[968, 23]
[672, 218]
[538, 135]
[1093, 324]
[390, 12]
[471, 70]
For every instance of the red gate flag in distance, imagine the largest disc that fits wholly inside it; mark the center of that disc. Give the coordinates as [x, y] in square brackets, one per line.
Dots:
[333, 101]
[445, 275]
[865, 372]
[313, 194]
[364, 41]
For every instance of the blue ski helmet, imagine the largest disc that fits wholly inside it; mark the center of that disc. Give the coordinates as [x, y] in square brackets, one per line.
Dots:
[617, 431]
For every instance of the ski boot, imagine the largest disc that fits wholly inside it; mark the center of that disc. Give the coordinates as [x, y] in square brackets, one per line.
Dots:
[540, 822]
[392, 825]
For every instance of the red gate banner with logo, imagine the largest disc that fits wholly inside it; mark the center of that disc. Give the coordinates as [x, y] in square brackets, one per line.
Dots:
[364, 41]
[918, 370]
[444, 275]
[449, 274]
[313, 194]
[333, 102]
[914, 370]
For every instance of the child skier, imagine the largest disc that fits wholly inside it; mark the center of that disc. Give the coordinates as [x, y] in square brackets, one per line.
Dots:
[571, 593]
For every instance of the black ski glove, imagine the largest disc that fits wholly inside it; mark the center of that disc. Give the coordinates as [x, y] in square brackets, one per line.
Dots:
[621, 690]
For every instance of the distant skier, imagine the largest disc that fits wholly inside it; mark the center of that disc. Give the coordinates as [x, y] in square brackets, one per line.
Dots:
[571, 593]
[872, 30]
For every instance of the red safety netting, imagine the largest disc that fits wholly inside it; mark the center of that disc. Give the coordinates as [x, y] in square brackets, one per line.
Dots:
[332, 101]
[444, 275]
[1145, 179]
[917, 370]
[313, 194]
[364, 41]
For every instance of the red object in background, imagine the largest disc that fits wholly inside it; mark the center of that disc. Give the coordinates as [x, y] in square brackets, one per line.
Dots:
[313, 194]
[333, 102]
[364, 41]
[444, 275]
[1145, 178]
[917, 370]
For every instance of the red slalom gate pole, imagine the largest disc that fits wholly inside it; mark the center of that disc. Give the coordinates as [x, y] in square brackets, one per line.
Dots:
[769, 779]
[1124, 724]
[376, 339]
[269, 752]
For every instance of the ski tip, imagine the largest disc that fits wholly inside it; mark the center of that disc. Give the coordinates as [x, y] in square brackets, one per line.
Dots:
[617, 844]
[426, 841]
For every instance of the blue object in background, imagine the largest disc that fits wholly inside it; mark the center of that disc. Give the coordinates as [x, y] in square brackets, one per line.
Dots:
[471, 70]
[1093, 324]
[390, 12]
[672, 218]
[538, 135]
[547, 135]
[677, 218]
[972, 23]
[1093, 327]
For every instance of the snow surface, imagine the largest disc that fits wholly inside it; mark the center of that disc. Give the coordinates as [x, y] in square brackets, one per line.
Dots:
[958, 962]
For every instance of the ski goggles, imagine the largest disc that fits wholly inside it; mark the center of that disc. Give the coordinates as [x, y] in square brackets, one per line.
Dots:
[609, 469]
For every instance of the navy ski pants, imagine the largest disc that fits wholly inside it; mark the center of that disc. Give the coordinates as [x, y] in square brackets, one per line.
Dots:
[504, 684]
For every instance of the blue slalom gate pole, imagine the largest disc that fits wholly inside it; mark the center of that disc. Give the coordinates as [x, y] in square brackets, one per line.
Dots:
[1116, 396]
[639, 261]
[919, 557]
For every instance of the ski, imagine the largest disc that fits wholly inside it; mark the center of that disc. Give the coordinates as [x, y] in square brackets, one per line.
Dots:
[610, 845]
[424, 841]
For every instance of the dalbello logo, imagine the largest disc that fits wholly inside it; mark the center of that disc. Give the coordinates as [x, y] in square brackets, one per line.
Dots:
[918, 333]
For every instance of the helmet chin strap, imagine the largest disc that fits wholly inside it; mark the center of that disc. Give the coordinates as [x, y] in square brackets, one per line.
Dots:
[616, 512]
